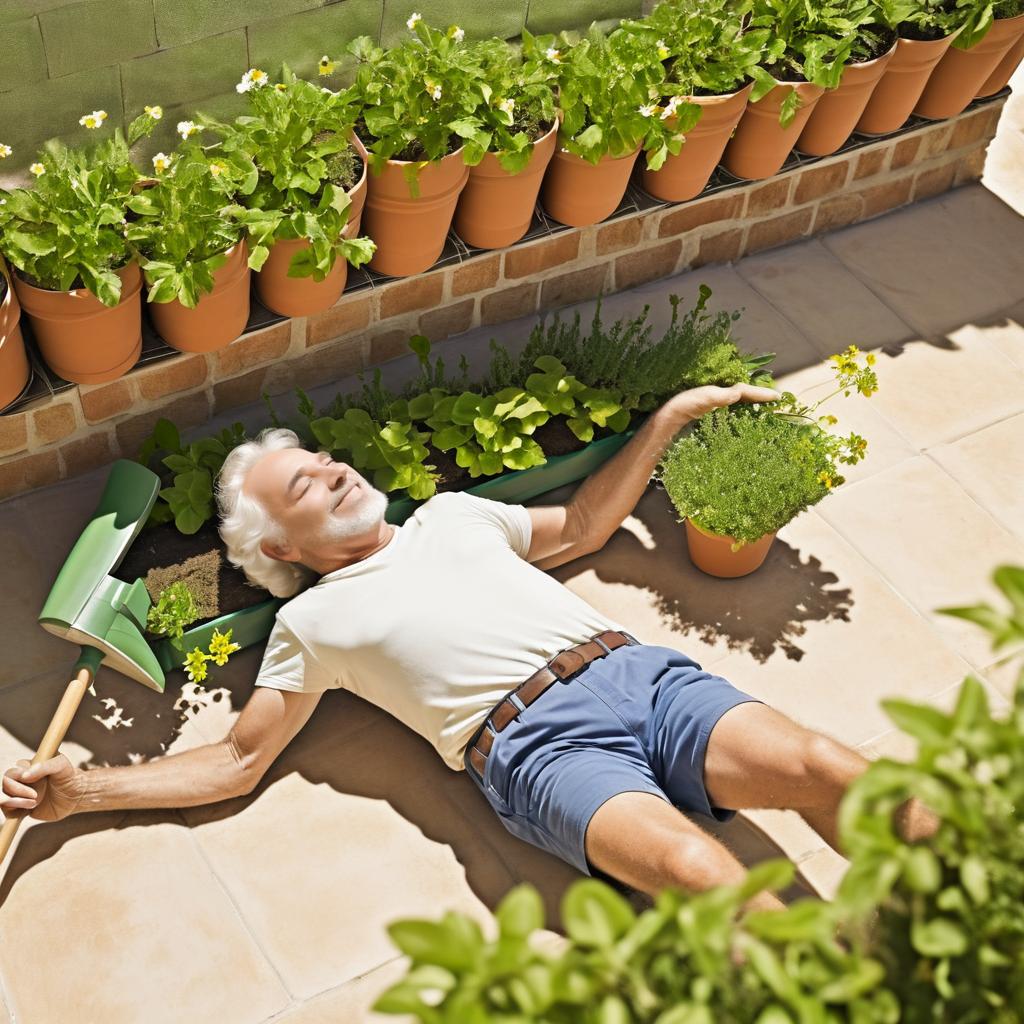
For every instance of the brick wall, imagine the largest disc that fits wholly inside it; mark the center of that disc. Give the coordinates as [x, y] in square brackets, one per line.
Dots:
[62, 58]
[83, 427]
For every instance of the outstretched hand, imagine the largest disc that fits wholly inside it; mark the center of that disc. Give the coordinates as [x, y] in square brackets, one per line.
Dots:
[692, 404]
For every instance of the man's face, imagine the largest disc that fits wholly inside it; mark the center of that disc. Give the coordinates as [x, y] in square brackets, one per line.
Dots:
[319, 504]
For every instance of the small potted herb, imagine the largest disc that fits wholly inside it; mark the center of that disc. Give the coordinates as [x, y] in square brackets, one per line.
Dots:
[14, 368]
[609, 87]
[741, 474]
[420, 101]
[509, 154]
[303, 217]
[708, 51]
[192, 250]
[1004, 69]
[74, 273]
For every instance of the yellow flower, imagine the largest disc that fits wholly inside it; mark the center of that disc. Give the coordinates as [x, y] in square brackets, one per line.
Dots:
[252, 79]
[326, 65]
[221, 647]
[280, 87]
[870, 359]
[161, 162]
[37, 169]
[93, 120]
[662, 49]
[5, 151]
[195, 665]
[217, 169]
[825, 479]
[154, 112]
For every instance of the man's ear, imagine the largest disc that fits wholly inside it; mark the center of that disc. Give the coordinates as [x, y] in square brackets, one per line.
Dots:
[283, 552]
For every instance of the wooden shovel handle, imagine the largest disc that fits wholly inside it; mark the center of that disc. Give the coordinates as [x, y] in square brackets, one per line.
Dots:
[48, 747]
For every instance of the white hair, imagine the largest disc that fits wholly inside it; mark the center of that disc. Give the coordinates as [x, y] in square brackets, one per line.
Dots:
[245, 523]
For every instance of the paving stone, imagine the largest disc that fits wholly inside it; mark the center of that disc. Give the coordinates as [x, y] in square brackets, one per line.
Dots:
[350, 1002]
[96, 33]
[552, 16]
[942, 263]
[24, 58]
[931, 557]
[183, 23]
[480, 21]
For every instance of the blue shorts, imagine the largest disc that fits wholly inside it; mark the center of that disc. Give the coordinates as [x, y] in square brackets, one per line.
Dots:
[636, 720]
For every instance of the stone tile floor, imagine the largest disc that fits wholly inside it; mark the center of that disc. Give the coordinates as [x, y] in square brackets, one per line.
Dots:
[273, 907]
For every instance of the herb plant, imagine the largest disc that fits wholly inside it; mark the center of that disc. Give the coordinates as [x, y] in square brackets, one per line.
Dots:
[68, 230]
[175, 609]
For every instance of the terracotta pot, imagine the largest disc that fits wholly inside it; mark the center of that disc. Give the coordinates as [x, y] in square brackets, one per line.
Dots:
[837, 112]
[219, 316]
[410, 232]
[301, 296]
[14, 368]
[712, 553]
[496, 207]
[578, 193]
[82, 340]
[1005, 69]
[684, 176]
[961, 73]
[760, 146]
[900, 87]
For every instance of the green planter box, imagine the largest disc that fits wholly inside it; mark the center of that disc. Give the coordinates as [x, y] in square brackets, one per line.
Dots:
[251, 625]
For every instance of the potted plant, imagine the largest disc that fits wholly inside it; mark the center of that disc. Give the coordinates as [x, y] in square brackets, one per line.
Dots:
[742, 473]
[809, 43]
[74, 273]
[1004, 70]
[608, 92]
[925, 30]
[989, 33]
[303, 217]
[509, 154]
[191, 248]
[419, 102]
[708, 52]
[14, 368]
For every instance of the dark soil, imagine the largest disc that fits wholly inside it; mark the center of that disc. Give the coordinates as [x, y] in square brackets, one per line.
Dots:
[452, 476]
[555, 438]
[881, 43]
[909, 31]
[412, 152]
[161, 546]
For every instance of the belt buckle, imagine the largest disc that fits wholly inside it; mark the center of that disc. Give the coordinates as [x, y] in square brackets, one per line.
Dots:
[633, 642]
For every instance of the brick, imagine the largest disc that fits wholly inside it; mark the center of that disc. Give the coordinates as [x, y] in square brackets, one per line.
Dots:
[13, 433]
[328, 363]
[447, 321]
[980, 124]
[298, 40]
[388, 345]
[350, 313]
[179, 373]
[476, 275]
[185, 74]
[187, 411]
[816, 182]
[28, 472]
[53, 422]
[723, 247]
[934, 181]
[869, 163]
[24, 59]
[576, 286]
[554, 251]
[86, 453]
[509, 303]
[182, 23]
[971, 166]
[96, 33]
[935, 139]
[647, 265]
[905, 152]
[887, 196]
[768, 198]
[253, 350]
[555, 15]
[412, 295]
[238, 391]
[618, 235]
[778, 230]
[697, 213]
[104, 401]
[837, 212]
[480, 21]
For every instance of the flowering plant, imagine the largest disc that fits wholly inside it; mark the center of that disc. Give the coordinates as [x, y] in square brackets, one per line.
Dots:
[610, 89]
[68, 230]
[745, 472]
[299, 138]
[219, 651]
[419, 100]
[182, 228]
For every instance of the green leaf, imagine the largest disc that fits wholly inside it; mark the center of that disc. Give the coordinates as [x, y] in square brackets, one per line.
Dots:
[188, 520]
[594, 914]
[927, 724]
[938, 937]
[520, 912]
[923, 870]
[166, 434]
[974, 878]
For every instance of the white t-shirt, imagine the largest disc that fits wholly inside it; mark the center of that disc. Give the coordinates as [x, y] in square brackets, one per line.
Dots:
[435, 627]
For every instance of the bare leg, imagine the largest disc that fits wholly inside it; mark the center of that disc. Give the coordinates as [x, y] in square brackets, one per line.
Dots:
[642, 840]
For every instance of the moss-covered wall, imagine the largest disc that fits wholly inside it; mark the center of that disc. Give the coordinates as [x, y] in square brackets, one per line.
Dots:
[62, 58]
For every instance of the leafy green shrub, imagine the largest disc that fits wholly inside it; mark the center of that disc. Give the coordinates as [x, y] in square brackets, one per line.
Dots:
[175, 609]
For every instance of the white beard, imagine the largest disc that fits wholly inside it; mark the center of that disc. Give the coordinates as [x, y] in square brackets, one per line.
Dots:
[362, 519]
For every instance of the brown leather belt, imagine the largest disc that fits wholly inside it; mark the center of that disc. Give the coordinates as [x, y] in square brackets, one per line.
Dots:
[563, 665]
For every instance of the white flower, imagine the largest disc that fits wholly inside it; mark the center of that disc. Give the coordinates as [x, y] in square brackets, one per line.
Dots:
[662, 49]
[984, 773]
[154, 112]
[37, 169]
[414, 19]
[553, 55]
[187, 128]
[5, 151]
[217, 169]
[434, 90]
[326, 66]
[93, 120]
[251, 79]
[646, 111]
[507, 106]
[161, 162]
[670, 107]
[459, 34]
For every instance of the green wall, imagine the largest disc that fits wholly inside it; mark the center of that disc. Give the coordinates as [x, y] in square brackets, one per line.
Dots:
[60, 59]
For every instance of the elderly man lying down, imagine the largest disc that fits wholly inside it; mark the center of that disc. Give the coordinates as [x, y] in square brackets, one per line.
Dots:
[584, 740]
